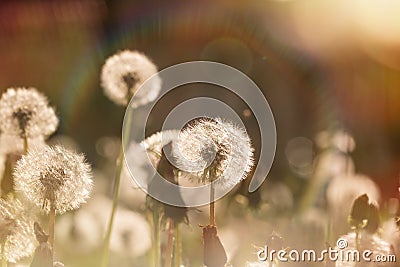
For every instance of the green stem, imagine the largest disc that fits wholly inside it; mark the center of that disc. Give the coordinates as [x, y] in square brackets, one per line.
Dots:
[3, 256]
[117, 182]
[52, 220]
[178, 247]
[170, 243]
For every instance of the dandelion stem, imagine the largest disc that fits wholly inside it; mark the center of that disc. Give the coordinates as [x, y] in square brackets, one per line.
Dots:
[3, 256]
[212, 205]
[25, 144]
[52, 219]
[178, 247]
[168, 252]
[357, 238]
[156, 236]
[117, 182]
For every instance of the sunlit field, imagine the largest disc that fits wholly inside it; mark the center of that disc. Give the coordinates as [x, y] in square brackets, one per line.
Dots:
[200, 133]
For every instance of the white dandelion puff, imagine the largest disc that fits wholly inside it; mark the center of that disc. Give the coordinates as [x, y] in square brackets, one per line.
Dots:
[16, 230]
[341, 193]
[26, 113]
[339, 139]
[54, 177]
[131, 234]
[344, 189]
[124, 73]
[213, 149]
[150, 148]
[155, 143]
[137, 155]
[79, 232]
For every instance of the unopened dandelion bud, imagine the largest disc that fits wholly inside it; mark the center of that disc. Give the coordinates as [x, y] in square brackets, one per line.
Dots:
[214, 254]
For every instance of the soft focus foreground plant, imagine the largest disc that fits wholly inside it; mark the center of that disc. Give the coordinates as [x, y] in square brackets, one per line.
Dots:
[16, 231]
[364, 216]
[159, 148]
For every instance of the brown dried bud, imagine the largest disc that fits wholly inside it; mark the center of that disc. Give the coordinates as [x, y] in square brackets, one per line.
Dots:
[214, 253]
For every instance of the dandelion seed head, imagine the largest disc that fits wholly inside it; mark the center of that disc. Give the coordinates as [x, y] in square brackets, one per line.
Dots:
[124, 73]
[341, 193]
[54, 176]
[79, 232]
[217, 147]
[25, 112]
[150, 148]
[16, 230]
[344, 189]
[339, 139]
[131, 234]
[155, 143]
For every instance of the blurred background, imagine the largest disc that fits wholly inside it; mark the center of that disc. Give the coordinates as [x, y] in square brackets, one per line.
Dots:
[324, 67]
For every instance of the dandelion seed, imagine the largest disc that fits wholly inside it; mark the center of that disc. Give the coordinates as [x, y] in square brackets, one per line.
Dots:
[16, 230]
[217, 146]
[25, 112]
[124, 73]
[54, 176]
